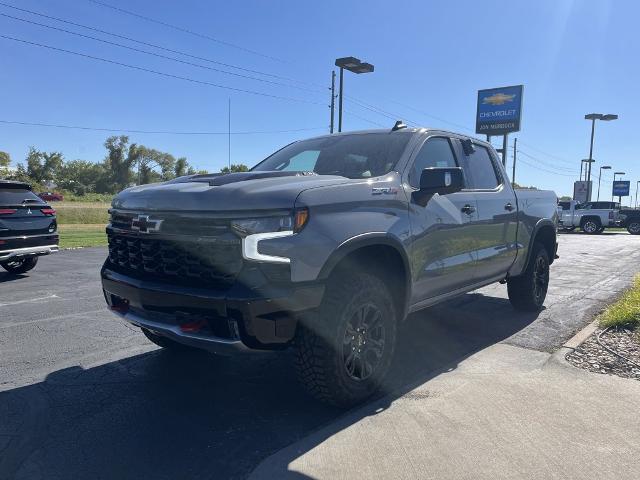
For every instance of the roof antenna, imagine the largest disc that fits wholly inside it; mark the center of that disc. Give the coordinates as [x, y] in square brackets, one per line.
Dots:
[399, 125]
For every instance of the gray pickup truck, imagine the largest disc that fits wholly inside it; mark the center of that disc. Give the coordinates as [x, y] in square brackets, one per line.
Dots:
[326, 246]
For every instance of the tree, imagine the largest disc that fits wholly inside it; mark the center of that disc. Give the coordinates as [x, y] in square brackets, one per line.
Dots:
[81, 176]
[120, 159]
[5, 160]
[240, 167]
[43, 167]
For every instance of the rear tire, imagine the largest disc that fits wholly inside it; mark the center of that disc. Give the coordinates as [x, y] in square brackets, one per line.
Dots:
[166, 343]
[528, 291]
[634, 227]
[22, 265]
[590, 226]
[345, 348]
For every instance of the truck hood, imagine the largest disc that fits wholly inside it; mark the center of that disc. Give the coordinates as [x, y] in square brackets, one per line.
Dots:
[219, 193]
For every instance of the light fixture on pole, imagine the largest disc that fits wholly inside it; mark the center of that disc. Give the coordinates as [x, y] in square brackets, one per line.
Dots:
[593, 117]
[604, 167]
[354, 65]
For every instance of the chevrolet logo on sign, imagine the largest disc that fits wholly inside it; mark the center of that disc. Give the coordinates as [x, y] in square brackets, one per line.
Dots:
[498, 99]
[143, 224]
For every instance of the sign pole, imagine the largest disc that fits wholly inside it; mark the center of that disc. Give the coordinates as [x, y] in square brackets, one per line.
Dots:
[515, 151]
[504, 149]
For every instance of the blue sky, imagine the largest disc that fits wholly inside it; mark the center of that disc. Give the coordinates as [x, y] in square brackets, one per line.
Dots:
[430, 57]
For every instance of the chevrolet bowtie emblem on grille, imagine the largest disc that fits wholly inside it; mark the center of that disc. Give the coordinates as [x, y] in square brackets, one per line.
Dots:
[142, 224]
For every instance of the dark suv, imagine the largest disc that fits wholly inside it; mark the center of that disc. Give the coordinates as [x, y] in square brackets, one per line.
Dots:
[28, 227]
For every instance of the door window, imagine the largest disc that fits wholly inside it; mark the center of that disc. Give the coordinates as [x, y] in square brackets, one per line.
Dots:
[436, 152]
[482, 170]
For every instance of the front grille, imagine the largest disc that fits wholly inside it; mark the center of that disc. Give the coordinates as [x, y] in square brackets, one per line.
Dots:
[213, 262]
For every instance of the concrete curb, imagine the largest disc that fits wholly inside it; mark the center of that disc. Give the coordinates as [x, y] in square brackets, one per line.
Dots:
[581, 336]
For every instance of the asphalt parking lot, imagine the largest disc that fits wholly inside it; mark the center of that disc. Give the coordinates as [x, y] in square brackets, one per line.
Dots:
[83, 395]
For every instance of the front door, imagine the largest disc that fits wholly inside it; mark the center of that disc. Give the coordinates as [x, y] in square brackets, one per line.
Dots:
[443, 246]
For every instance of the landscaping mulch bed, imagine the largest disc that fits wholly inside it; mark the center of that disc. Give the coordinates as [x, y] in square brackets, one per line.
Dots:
[593, 356]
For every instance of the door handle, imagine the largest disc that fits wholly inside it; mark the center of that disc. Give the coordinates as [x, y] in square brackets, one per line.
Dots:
[468, 209]
[509, 207]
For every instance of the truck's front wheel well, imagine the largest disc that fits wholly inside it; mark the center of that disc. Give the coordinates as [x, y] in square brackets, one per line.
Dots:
[386, 263]
[547, 237]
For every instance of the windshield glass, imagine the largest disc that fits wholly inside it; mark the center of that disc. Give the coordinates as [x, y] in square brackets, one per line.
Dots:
[17, 196]
[353, 156]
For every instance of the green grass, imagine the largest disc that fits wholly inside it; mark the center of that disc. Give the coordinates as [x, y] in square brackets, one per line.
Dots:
[89, 197]
[626, 311]
[85, 213]
[73, 236]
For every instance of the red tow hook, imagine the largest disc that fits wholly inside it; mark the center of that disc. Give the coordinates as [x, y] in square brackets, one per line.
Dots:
[194, 326]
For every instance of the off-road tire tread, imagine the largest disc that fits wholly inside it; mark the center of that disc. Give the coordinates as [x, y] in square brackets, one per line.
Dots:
[520, 288]
[313, 352]
[27, 265]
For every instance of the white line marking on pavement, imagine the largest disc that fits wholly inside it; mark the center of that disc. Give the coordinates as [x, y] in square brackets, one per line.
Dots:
[29, 300]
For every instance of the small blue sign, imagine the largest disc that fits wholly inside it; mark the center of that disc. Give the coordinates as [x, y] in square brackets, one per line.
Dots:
[499, 110]
[621, 188]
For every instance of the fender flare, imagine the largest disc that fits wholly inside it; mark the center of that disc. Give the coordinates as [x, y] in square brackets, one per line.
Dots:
[543, 223]
[367, 240]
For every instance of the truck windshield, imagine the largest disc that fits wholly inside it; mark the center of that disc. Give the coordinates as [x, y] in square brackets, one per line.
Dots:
[361, 155]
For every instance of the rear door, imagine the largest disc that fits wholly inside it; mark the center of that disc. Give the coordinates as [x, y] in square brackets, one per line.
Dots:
[497, 214]
[443, 246]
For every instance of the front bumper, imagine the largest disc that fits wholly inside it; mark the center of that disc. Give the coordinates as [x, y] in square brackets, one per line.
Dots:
[17, 253]
[235, 320]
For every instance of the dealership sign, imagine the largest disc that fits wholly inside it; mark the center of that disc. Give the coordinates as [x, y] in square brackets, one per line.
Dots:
[499, 110]
[621, 188]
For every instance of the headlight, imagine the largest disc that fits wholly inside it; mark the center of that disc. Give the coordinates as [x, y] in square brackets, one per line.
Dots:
[251, 226]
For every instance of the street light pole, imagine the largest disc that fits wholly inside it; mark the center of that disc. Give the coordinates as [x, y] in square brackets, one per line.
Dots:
[605, 167]
[340, 100]
[354, 65]
[593, 117]
[636, 202]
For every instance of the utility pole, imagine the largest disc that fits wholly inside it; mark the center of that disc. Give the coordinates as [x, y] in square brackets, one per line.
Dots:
[333, 98]
[229, 134]
[515, 151]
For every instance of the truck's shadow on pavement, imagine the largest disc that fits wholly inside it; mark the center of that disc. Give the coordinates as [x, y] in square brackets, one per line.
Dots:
[164, 416]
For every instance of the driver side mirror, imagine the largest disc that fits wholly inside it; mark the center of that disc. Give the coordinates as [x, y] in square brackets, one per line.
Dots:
[440, 180]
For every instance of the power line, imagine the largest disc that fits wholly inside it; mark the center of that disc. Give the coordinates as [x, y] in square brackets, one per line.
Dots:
[165, 132]
[184, 30]
[364, 119]
[157, 54]
[153, 45]
[163, 74]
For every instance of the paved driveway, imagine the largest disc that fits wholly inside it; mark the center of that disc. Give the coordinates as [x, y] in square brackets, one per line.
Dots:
[83, 395]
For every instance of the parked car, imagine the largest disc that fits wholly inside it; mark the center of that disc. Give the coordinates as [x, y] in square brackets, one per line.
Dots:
[28, 227]
[326, 246]
[51, 196]
[591, 217]
[629, 218]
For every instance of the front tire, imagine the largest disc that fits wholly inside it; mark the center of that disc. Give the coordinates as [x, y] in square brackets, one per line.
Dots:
[528, 291]
[344, 350]
[19, 266]
[634, 227]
